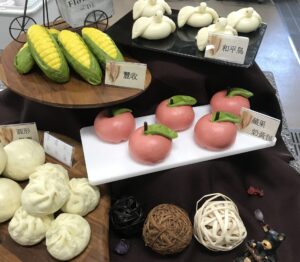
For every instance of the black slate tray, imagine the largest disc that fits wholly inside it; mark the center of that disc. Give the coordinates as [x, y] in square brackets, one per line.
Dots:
[181, 43]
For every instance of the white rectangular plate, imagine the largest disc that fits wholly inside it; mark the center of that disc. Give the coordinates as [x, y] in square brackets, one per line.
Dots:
[111, 162]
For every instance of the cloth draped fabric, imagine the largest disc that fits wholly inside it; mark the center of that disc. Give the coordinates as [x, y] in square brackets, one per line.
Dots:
[183, 186]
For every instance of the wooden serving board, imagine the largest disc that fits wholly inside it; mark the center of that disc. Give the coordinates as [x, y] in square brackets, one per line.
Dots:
[75, 94]
[97, 250]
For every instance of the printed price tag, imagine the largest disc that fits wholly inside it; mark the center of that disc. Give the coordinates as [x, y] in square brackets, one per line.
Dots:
[227, 48]
[58, 149]
[258, 124]
[10, 133]
[125, 74]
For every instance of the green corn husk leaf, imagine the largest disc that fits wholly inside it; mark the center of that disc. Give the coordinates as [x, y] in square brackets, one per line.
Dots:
[24, 61]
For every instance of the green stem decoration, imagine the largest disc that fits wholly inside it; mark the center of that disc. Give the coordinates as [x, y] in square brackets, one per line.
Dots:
[145, 127]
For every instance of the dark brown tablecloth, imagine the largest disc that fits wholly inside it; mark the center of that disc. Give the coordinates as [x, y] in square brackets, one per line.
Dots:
[183, 186]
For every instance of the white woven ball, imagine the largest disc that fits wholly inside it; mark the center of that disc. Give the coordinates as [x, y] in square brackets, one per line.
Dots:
[217, 224]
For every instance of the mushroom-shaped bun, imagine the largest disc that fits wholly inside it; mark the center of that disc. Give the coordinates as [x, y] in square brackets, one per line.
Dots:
[154, 27]
[45, 194]
[199, 16]
[10, 198]
[149, 8]
[220, 27]
[28, 230]
[83, 197]
[245, 20]
[23, 156]
[68, 236]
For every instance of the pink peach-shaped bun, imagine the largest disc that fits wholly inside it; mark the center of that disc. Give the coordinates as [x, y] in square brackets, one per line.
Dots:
[114, 129]
[220, 102]
[214, 136]
[148, 149]
[178, 118]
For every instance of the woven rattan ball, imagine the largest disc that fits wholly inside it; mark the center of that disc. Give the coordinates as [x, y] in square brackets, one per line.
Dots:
[167, 229]
[217, 224]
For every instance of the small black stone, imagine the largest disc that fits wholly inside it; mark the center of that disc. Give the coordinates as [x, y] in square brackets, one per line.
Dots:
[122, 247]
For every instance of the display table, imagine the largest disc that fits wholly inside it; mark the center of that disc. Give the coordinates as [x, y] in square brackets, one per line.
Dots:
[183, 186]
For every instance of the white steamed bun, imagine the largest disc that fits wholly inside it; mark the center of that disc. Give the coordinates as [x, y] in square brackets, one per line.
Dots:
[83, 197]
[50, 169]
[68, 236]
[23, 156]
[28, 230]
[3, 159]
[45, 193]
[10, 198]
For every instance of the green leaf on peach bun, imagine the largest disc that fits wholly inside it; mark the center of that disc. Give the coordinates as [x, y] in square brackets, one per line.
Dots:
[237, 91]
[225, 117]
[159, 129]
[118, 111]
[180, 100]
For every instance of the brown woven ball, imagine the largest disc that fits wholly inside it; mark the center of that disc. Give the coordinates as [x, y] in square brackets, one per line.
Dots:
[167, 229]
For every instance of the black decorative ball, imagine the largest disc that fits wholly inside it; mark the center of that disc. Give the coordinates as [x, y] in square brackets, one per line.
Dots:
[127, 216]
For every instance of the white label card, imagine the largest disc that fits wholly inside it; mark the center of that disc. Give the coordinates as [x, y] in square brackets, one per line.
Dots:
[227, 47]
[258, 124]
[125, 74]
[58, 149]
[10, 133]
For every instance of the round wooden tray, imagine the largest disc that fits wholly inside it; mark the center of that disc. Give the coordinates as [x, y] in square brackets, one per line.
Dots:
[74, 94]
[97, 250]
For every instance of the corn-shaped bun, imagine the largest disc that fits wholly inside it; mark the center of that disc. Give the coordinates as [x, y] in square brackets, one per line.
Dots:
[102, 46]
[47, 54]
[23, 60]
[54, 32]
[80, 57]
